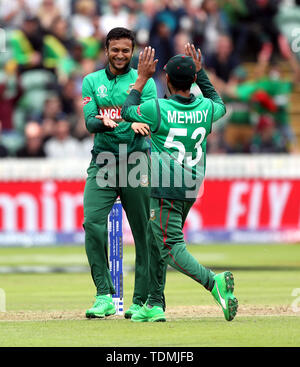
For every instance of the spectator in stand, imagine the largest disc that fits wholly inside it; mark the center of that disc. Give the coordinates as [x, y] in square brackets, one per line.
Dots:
[222, 63]
[83, 19]
[171, 13]
[270, 94]
[47, 12]
[66, 37]
[71, 65]
[236, 13]
[57, 43]
[13, 13]
[261, 24]
[73, 5]
[68, 95]
[239, 128]
[85, 27]
[180, 40]
[34, 146]
[145, 17]
[27, 45]
[3, 149]
[8, 100]
[213, 24]
[62, 144]
[253, 100]
[115, 16]
[51, 113]
[163, 43]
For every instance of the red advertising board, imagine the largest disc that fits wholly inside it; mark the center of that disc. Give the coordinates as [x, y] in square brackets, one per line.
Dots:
[250, 204]
[226, 205]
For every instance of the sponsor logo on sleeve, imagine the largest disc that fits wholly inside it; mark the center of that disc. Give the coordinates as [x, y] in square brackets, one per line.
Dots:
[86, 100]
[139, 111]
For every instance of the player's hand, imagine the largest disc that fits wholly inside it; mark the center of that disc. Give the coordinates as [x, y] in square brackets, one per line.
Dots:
[147, 64]
[190, 50]
[140, 128]
[107, 121]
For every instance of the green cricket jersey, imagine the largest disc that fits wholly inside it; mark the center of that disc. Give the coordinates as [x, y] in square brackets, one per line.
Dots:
[104, 93]
[179, 129]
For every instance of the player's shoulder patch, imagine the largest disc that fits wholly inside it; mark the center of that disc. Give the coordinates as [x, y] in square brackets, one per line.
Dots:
[138, 110]
[86, 100]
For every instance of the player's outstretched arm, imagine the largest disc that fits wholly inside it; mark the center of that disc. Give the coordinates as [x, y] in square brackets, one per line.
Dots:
[146, 68]
[147, 112]
[204, 83]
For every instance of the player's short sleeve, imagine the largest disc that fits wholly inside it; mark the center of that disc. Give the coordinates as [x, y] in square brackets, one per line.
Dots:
[218, 110]
[135, 111]
[145, 112]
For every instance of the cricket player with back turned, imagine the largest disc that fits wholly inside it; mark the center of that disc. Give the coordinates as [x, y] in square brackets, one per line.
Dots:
[179, 128]
[104, 93]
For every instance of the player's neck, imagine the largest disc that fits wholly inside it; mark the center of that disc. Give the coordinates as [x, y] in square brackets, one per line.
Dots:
[183, 93]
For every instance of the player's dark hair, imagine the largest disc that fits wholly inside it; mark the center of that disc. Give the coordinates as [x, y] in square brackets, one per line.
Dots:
[119, 33]
[181, 85]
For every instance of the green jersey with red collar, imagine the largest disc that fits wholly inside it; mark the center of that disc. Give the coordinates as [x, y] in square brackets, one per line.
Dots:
[104, 93]
[179, 129]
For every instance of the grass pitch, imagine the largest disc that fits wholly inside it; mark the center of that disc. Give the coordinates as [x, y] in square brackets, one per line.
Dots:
[48, 309]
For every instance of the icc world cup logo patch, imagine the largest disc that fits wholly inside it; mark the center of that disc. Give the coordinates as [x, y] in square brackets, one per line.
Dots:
[102, 91]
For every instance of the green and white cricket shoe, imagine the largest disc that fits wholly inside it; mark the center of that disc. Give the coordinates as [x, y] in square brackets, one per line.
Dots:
[132, 310]
[103, 306]
[147, 314]
[223, 294]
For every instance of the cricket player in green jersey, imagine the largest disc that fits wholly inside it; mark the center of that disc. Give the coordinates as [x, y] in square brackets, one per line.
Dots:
[179, 128]
[104, 93]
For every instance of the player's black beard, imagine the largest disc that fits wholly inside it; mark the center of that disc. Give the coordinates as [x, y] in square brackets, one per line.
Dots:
[122, 70]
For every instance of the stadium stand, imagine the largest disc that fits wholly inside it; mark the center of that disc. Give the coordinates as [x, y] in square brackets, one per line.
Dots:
[46, 57]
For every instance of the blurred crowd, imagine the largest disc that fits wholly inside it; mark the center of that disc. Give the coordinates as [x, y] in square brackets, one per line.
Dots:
[48, 46]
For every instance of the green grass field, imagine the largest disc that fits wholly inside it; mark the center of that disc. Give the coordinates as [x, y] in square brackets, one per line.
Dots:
[48, 309]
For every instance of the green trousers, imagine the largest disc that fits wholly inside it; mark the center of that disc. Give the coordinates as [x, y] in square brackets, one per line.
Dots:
[167, 218]
[98, 202]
